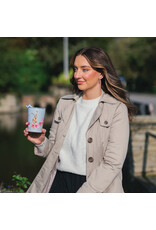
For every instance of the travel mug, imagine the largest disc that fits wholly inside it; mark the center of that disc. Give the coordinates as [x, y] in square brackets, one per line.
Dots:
[35, 119]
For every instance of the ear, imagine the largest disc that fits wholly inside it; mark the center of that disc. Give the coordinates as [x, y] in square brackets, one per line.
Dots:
[100, 77]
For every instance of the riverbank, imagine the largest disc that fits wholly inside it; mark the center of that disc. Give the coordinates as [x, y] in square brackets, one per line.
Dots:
[9, 103]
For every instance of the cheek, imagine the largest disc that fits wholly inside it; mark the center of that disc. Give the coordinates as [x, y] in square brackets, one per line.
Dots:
[89, 76]
[74, 75]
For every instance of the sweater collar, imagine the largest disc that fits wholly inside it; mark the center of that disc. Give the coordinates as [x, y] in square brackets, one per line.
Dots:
[105, 98]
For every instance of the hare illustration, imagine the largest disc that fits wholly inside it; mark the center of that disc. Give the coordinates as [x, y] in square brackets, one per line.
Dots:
[34, 120]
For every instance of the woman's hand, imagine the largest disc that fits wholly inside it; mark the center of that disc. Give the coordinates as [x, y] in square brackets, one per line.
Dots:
[35, 138]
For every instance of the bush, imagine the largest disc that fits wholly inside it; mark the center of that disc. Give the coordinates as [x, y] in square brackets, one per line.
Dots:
[20, 184]
[21, 71]
[61, 80]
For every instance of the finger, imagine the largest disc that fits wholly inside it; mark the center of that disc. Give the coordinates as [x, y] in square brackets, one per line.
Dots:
[44, 131]
[26, 123]
[26, 130]
[25, 133]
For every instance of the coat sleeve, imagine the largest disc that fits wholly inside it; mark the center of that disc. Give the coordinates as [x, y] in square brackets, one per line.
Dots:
[48, 144]
[102, 176]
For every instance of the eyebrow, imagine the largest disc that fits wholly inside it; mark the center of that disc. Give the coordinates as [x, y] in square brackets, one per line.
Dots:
[82, 66]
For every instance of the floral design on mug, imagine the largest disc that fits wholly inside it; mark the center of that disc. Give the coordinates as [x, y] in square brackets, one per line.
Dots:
[35, 125]
[40, 123]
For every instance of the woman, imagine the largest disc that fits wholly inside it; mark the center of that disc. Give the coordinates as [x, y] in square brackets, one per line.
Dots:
[89, 135]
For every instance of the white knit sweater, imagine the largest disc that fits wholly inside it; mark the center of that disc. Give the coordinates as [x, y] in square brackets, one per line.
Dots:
[73, 152]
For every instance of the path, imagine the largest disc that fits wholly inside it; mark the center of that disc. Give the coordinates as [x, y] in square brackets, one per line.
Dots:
[144, 98]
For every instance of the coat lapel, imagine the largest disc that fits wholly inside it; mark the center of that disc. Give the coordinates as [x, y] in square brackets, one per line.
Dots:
[67, 115]
[105, 98]
[96, 114]
[68, 111]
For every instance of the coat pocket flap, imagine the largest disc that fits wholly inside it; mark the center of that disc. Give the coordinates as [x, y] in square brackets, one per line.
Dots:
[58, 119]
[105, 122]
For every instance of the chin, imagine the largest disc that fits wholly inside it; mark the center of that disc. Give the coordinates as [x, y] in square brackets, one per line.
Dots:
[81, 87]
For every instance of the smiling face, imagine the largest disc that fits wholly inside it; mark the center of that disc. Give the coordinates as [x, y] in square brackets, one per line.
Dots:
[87, 79]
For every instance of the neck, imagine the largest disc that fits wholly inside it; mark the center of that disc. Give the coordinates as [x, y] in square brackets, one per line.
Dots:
[89, 94]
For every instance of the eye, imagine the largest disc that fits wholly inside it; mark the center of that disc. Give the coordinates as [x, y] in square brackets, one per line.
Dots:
[74, 69]
[85, 70]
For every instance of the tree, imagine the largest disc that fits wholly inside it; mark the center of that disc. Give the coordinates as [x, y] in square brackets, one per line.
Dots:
[135, 59]
[21, 71]
[28, 64]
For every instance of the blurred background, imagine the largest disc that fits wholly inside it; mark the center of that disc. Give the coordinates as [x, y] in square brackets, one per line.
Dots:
[36, 71]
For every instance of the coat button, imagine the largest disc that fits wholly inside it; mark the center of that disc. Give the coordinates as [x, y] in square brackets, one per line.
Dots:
[90, 140]
[90, 159]
[59, 118]
[106, 122]
[58, 159]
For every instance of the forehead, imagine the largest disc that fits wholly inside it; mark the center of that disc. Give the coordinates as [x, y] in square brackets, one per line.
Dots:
[81, 61]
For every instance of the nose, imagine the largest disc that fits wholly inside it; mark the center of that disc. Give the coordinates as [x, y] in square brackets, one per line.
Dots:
[78, 74]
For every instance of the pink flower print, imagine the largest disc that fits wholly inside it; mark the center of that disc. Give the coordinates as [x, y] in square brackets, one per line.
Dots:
[36, 126]
[28, 123]
[32, 125]
[40, 123]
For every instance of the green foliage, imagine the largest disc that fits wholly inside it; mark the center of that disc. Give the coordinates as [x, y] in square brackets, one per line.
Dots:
[27, 64]
[61, 80]
[135, 59]
[21, 71]
[20, 184]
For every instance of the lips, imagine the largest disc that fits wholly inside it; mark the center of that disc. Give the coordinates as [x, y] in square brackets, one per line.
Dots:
[80, 82]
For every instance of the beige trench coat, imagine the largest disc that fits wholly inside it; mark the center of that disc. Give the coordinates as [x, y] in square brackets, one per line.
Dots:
[107, 141]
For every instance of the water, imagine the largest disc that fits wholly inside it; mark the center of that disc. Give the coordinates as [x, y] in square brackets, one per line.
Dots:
[15, 150]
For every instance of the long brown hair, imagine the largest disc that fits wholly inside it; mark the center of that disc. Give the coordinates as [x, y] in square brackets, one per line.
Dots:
[110, 83]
